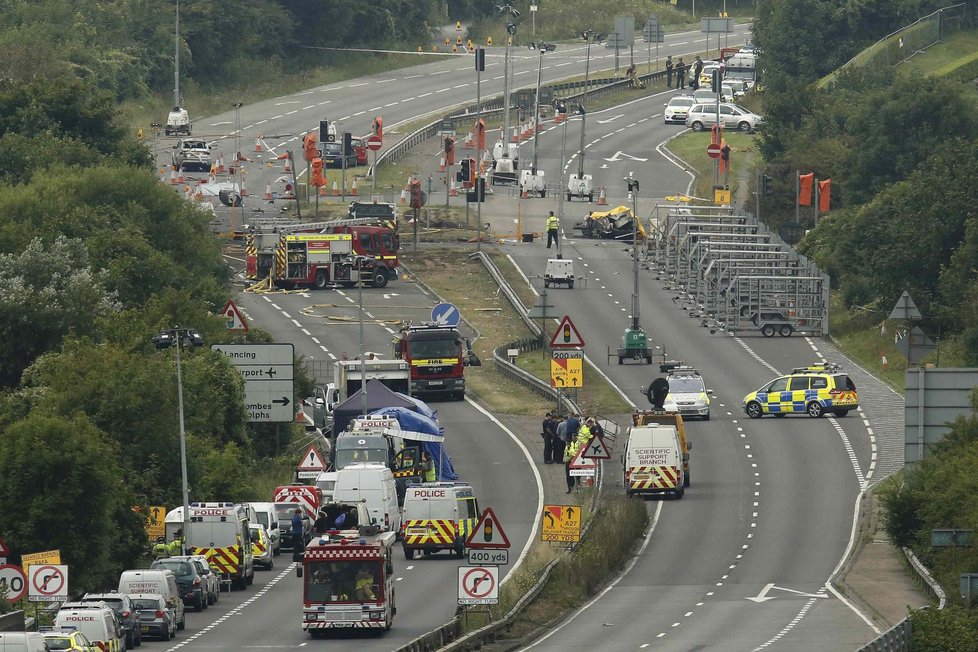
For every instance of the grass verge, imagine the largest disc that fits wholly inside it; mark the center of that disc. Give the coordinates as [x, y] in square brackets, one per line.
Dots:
[744, 157]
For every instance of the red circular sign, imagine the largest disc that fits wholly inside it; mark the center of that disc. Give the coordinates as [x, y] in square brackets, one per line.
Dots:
[374, 143]
[713, 150]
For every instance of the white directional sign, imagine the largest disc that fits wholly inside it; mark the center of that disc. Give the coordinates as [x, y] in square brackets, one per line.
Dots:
[478, 585]
[47, 583]
[267, 371]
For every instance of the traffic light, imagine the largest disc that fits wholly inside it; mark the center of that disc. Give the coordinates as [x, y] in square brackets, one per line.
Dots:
[767, 185]
[716, 81]
[323, 131]
[347, 143]
[567, 334]
[309, 146]
[318, 179]
[480, 59]
[480, 134]
[478, 192]
[465, 175]
[416, 198]
[487, 530]
[449, 150]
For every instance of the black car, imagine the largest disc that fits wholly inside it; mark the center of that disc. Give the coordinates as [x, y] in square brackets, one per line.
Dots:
[192, 587]
[333, 156]
[125, 613]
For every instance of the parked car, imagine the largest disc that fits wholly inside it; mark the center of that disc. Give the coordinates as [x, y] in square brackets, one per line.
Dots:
[360, 148]
[212, 583]
[732, 116]
[125, 614]
[155, 618]
[333, 156]
[71, 640]
[191, 154]
[189, 581]
[677, 108]
[705, 96]
[261, 546]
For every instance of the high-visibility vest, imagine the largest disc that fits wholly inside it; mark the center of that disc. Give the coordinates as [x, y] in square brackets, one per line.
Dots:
[161, 550]
[553, 223]
[175, 547]
[364, 589]
[570, 451]
[429, 471]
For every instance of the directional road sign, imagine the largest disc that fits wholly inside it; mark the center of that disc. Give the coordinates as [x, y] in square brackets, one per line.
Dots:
[561, 523]
[478, 585]
[445, 314]
[13, 584]
[567, 368]
[267, 372]
[156, 521]
[47, 583]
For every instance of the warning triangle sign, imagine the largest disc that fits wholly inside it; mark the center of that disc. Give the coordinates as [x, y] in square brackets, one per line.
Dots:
[596, 449]
[566, 335]
[312, 460]
[235, 320]
[487, 533]
[580, 462]
[4, 548]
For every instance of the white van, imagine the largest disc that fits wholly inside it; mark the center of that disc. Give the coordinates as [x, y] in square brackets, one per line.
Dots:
[163, 582]
[374, 483]
[22, 642]
[438, 516]
[653, 461]
[559, 271]
[267, 516]
[99, 625]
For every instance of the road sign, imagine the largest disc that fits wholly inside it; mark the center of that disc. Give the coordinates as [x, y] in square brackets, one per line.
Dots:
[567, 368]
[267, 372]
[561, 523]
[374, 142]
[445, 314]
[4, 548]
[713, 150]
[235, 320]
[155, 521]
[566, 336]
[582, 466]
[905, 308]
[478, 585]
[722, 25]
[34, 558]
[488, 557]
[13, 584]
[596, 449]
[47, 583]
[311, 465]
[488, 533]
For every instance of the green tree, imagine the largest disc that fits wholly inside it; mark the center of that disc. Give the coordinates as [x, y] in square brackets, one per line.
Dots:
[952, 629]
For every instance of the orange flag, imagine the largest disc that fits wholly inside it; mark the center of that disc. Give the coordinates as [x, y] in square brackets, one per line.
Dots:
[805, 188]
[824, 195]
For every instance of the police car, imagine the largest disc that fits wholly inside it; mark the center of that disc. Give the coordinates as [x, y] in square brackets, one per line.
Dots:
[688, 394]
[814, 390]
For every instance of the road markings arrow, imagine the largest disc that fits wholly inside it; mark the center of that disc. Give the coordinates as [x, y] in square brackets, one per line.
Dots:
[764, 597]
[611, 119]
[391, 294]
[619, 154]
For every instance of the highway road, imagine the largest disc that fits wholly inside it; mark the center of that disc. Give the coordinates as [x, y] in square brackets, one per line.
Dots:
[770, 510]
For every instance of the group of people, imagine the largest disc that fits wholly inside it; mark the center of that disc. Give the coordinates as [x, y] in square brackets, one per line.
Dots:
[564, 437]
[679, 69]
[163, 549]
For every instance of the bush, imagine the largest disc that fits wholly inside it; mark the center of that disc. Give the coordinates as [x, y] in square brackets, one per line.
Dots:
[944, 630]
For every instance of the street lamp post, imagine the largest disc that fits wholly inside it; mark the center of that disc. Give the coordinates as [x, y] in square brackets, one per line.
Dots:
[165, 339]
[176, 60]
[589, 36]
[511, 33]
[561, 107]
[543, 48]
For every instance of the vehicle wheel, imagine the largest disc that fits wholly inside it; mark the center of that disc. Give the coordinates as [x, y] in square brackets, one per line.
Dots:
[165, 636]
[211, 599]
[568, 197]
[754, 410]
[139, 638]
[686, 479]
[621, 360]
[409, 553]
[570, 284]
[744, 127]
[543, 194]
[680, 493]
[785, 330]
[130, 641]
[815, 409]
[321, 280]
[767, 330]
[251, 579]
[380, 277]
[198, 603]
[316, 633]
[237, 584]
[841, 413]
[590, 197]
[697, 126]
[182, 624]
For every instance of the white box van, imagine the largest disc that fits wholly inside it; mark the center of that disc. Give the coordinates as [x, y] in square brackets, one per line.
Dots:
[268, 517]
[559, 271]
[99, 625]
[375, 484]
[653, 461]
[22, 642]
[163, 582]
[438, 516]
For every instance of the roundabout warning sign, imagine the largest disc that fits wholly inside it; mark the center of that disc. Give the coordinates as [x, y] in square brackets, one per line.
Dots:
[478, 585]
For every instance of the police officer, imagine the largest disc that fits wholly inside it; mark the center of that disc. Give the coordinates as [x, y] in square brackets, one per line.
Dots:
[570, 452]
[176, 546]
[553, 229]
[549, 434]
[161, 549]
[697, 69]
[428, 468]
[669, 71]
[681, 75]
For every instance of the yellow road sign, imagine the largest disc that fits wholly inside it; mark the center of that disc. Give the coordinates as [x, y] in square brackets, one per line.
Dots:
[567, 368]
[721, 197]
[155, 521]
[561, 523]
[52, 557]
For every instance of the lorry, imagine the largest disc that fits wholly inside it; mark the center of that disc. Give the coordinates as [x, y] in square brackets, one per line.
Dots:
[436, 358]
[218, 531]
[348, 581]
[321, 254]
[580, 187]
[177, 123]
[348, 379]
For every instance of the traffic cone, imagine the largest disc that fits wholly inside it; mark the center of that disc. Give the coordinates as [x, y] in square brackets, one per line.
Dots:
[288, 165]
[441, 165]
[244, 191]
[560, 117]
[602, 201]
[258, 147]
[268, 192]
[516, 135]
[452, 190]
[354, 192]
[524, 195]
[469, 141]
[404, 196]
[220, 165]
[180, 175]
[336, 189]
[173, 177]
[212, 178]
[322, 191]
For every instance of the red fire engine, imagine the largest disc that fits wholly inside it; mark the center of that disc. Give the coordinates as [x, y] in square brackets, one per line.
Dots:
[348, 581]
[437, 359]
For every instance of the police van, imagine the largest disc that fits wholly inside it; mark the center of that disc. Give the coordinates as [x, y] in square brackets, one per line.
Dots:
[438, 516]
[653, 461]
[96, 620]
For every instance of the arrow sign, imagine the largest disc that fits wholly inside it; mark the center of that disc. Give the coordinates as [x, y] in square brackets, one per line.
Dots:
[620, 154]
[281, 401]
[764, 597]
[445, 314]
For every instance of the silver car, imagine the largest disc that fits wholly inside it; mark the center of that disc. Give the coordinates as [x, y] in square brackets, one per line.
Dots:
[155, 618]
[688, 394]
[192, 154]
[703, 116]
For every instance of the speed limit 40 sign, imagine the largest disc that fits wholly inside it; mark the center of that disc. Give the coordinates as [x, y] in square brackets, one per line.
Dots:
[13, 584]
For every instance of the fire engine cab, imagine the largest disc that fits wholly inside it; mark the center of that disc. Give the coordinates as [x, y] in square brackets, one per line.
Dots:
[437, 359]
[348, 581]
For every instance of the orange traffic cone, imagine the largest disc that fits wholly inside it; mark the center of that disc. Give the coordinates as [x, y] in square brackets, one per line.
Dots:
[441, 165]
[354, 192]
[220, 165]
[469, 141]
[173, 177]
[258, 140]
[336, 189]
[180, 175]
[268, 192]
[404, 196]
[560, 117]
[602, 201]
[516, 135]
[322, 191]
[452, 190]
[523, 194]
[244, 191]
